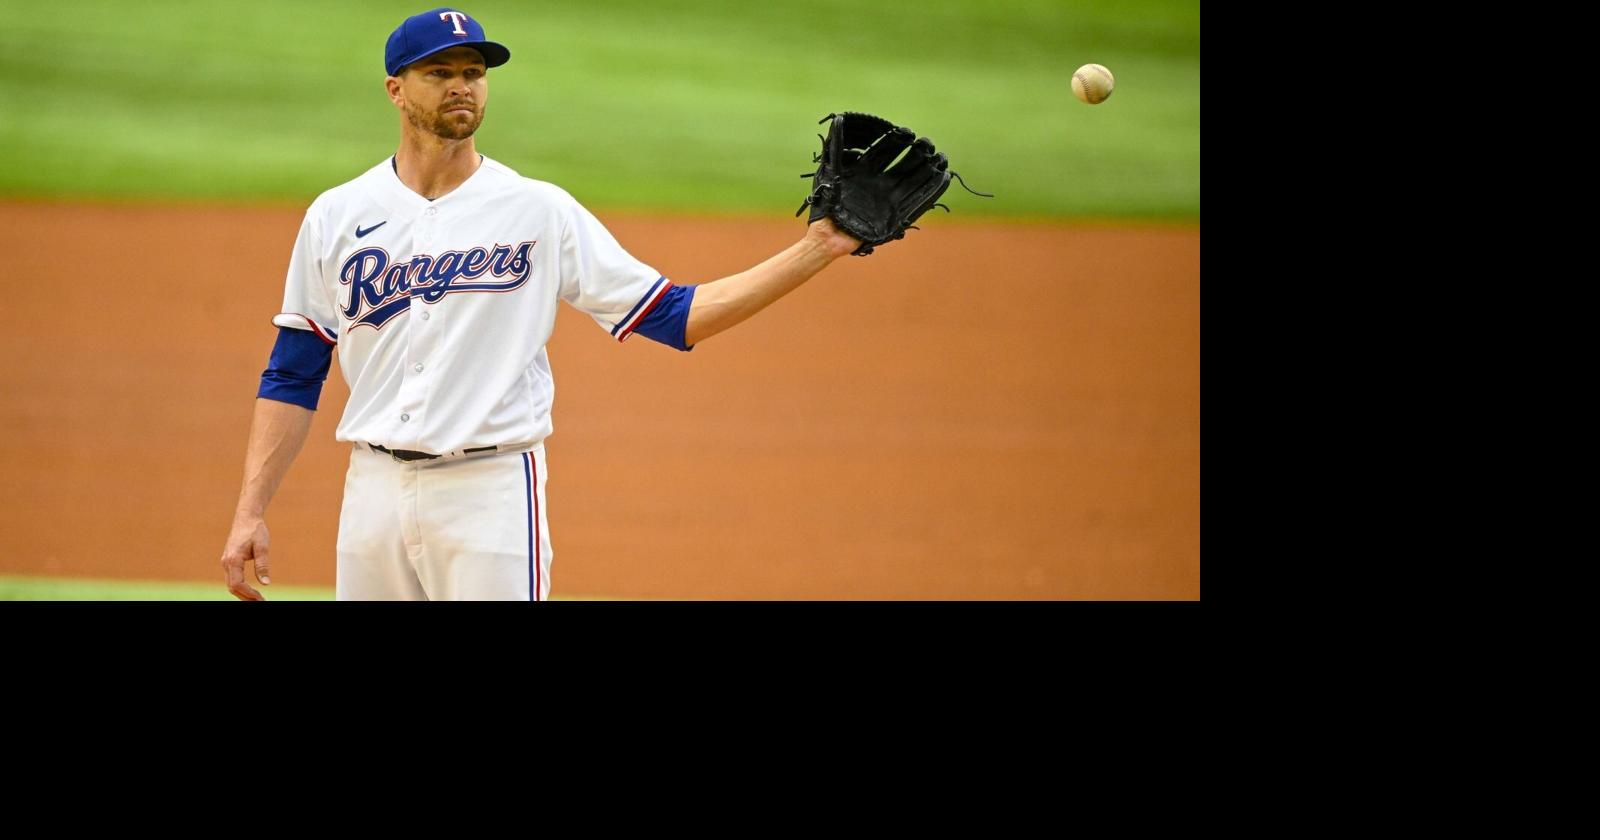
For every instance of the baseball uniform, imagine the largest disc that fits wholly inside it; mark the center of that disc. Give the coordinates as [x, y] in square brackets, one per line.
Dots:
[440, 311]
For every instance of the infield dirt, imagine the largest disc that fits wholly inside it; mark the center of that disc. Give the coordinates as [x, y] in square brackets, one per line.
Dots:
[981, 411]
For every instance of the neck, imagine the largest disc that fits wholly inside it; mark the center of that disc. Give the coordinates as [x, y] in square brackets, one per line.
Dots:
[432, 166]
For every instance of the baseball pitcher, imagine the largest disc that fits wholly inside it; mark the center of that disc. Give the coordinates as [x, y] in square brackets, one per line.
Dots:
[435, 276]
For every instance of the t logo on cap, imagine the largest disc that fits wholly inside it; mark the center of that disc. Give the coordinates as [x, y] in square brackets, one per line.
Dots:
[420, 36]
[455, 18]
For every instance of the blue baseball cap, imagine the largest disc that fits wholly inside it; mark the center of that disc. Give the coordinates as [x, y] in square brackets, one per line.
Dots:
[439, 29]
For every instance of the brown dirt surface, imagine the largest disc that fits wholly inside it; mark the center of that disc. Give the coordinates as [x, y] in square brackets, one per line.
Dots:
[982, 411]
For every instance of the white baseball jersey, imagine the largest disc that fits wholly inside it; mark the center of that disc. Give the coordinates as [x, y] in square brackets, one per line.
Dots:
[441, 309]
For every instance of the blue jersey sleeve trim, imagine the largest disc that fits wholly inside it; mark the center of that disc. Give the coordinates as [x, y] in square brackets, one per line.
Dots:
[627, 326]
[299, 364]
[668, 322]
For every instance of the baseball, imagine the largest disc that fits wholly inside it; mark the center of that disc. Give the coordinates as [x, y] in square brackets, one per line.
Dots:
[1093, 83]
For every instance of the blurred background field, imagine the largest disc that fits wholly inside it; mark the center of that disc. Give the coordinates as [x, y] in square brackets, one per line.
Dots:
[704, 106]
[643, 110]
[71, 589]
[19, 588]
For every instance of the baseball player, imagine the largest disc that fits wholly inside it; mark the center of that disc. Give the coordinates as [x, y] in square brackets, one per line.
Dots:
[435, 275]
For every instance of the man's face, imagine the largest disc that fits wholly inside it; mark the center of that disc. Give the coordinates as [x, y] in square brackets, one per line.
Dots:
[443, 94]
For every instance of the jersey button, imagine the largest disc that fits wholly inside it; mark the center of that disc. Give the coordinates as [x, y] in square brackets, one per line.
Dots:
[418, 368]
[424, 316]
[431, 211]
[404, 417]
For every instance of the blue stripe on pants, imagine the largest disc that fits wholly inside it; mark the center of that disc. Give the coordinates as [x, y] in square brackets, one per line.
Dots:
[533, 551]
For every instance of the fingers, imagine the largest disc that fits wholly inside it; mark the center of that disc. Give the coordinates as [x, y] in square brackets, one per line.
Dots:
[858, 131]
[888, 147]
[233, 573]
[921, 152]
[246, 543]
[263, 568]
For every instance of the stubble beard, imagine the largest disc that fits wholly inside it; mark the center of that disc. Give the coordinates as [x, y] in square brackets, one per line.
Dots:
[444, 125]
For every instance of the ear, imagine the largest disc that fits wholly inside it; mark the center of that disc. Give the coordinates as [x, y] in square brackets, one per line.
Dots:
[392, 85]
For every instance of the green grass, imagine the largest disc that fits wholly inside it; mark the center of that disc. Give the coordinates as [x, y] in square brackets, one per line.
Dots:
[691, 105]
[79, 589]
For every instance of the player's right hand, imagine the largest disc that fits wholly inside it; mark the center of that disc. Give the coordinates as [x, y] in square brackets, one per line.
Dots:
[247, 541]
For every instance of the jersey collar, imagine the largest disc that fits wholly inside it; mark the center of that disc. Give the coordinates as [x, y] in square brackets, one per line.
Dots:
[398, 198]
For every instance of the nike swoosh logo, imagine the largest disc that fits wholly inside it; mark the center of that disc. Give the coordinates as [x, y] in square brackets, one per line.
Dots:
[360, 233]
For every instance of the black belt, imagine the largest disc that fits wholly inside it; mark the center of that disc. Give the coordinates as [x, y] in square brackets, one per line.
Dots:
[413, 455]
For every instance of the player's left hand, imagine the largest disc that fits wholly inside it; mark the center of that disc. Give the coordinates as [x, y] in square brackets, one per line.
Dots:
[875, 179]
[826, 235]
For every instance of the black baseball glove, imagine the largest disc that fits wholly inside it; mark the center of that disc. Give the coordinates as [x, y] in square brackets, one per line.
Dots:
[864, 189]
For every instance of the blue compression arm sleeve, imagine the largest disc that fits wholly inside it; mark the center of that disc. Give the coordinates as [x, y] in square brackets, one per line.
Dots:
[298, 366]
[669, 321]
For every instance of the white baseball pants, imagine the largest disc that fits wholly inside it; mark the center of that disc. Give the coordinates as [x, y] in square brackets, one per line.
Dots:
[461, 529]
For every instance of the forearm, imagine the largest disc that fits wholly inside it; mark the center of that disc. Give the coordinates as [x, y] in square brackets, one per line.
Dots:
[278, 430]
[723, 303]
